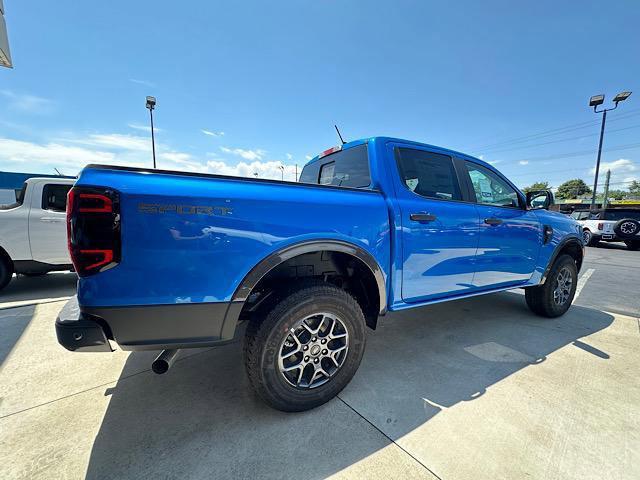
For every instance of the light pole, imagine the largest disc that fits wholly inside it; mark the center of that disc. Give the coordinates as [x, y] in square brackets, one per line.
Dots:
[594, 102]
[281, 167]
[151, 104]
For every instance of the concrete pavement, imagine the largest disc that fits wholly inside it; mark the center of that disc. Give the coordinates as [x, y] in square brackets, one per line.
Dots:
[477, 388]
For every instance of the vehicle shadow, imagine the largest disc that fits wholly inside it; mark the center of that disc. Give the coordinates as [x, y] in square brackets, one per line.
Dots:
[200, 420]
[13, 323]
[26, 290]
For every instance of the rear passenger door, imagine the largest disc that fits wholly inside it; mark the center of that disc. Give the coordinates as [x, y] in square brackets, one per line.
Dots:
[439, 227]
[47, 227]
[510, 235]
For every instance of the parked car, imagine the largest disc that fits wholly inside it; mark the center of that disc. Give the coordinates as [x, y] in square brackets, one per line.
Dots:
[33, 233]
[171, 260]
[610, 225]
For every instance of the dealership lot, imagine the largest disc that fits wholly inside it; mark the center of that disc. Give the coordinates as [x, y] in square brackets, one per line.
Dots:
[477, 388]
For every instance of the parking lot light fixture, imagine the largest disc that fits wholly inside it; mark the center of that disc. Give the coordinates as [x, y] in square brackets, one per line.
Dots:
[151, 104]
[621, 97]
[594, 102]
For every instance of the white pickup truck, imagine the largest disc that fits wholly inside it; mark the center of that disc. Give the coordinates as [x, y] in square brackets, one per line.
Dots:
[33, 232]
[610, 225]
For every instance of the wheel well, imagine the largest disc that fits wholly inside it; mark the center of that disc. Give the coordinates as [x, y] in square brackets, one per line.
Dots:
[338, 268]
[574, 250]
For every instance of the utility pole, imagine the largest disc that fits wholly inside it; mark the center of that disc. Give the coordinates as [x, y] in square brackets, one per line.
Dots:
[594, 102]
[606, 189]
[296, 172]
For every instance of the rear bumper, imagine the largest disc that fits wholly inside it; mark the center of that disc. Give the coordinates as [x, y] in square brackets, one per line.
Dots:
[76, 332]
[152, 327]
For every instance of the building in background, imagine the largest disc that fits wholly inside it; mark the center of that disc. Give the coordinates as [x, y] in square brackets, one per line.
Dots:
[5, 55]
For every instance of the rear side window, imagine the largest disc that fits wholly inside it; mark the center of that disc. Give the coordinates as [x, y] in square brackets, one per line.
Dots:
[428, 174]
[346, 168]
[620, 214]
[54, 197]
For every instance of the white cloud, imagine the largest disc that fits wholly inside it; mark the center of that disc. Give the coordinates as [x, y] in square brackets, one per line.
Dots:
[289, 156]
[270, 169]
[246, 154]
[212, 134]
[308, 157]
[27, 103]
[144, 128]
[493, 162]
[116, 141]
[631, 179]
[481, 157]
[71, 155]
[620, 165]
[146, 83]
[524, 162]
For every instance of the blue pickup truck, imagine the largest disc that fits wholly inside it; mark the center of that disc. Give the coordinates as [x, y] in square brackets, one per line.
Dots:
[170, 260]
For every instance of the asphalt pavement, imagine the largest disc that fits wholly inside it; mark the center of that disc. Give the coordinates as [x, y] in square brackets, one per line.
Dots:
[472, 389]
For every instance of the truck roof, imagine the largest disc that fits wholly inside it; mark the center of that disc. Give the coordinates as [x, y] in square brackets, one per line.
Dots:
[383, 139]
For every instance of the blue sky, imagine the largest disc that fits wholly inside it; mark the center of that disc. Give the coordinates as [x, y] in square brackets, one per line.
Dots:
[268, 80]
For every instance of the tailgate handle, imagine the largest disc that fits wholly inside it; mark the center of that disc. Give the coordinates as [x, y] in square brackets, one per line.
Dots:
[492, 221]
[422, 217]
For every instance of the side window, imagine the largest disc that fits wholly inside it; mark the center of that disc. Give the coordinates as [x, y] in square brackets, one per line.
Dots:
[54, 197]
[490, 189]
[346, 168]
[428, 174]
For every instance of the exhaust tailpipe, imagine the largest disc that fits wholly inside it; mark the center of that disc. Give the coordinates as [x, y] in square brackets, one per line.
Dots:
[163, 362]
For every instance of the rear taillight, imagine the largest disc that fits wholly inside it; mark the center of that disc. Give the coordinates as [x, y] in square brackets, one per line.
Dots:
[601, 226]
[93, 229]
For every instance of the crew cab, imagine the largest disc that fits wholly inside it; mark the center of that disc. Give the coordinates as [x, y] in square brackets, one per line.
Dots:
[170, 260]
[610, 225]
[33, 233]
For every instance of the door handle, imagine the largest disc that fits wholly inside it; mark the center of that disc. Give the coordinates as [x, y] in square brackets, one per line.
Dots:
[422, 217]
[492, 221]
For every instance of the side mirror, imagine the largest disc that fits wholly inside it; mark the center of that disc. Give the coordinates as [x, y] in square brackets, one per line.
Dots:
[539, 199]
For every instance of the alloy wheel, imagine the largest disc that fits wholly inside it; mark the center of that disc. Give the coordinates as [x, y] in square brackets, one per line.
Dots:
[564, 282]
[313, 350]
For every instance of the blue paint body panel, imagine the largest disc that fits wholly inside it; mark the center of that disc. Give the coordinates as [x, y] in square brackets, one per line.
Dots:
[179, 256]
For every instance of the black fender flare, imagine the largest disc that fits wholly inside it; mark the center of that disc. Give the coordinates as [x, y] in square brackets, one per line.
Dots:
[564, 243]
[267, 264]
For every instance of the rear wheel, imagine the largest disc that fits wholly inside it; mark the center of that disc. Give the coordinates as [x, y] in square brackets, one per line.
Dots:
[554, 297]
[307, 348]
[6, 271]
[587, 238]
[632, 244]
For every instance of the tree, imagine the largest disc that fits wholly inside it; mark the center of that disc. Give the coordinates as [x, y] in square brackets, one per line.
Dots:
[536, 186]
[617, 194]
[634, 187]
[572, 189]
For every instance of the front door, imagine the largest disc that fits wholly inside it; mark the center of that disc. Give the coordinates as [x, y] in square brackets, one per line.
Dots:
[510, 235]
[439, 230]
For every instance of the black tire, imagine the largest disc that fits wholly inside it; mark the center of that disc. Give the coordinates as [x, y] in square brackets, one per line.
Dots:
[587, 238]
[632, 244]
[265, 339]
[6, 271]
[541, 300]
[627, 228]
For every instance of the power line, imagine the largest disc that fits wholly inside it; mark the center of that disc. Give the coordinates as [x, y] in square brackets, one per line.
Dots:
[554, 131]
[577, 153]
[561, 140]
